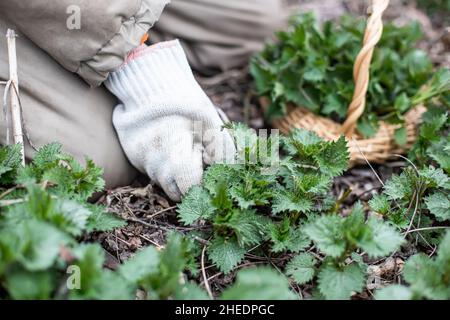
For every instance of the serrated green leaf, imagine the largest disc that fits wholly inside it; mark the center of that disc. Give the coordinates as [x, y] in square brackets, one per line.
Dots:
[439, 205]
[288, 202]
[284, 237]
[334, 158]
[195, 206]
[398, 187]
[380, 204]
[341, 284]
[226, 254]
[384, 239]
[248, 227]
[10, 162]
[259, 284]
[302, 268]
[326, 232]
[101, 220]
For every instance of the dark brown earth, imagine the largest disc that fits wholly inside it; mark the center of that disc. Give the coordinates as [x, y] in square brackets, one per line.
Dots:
[151, 215]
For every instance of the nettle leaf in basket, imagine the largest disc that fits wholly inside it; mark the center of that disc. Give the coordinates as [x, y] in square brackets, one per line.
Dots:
[312, 67]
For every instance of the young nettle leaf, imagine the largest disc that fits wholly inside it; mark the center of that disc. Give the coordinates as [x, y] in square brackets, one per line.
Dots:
[10, 162]
[285, 237]
[437, 85]
[259, 284]
[225, 253]
[433, 143]
[435, 177]
[67, 215]
[95, 282]
[302, 268]
[302, 143]
[101, 220]
[400, 187]
[331, 158]
[334, 158]
[89, 261]
[334, 235]
[165, 283]
[255, 189]
[285, 201]
[327, 233]
[440, 152]
[230, 174]
[380, 204]
[65, 176]
[439, 205]
[383, 240]
[248, 227]
[196, 205]
[340, 283]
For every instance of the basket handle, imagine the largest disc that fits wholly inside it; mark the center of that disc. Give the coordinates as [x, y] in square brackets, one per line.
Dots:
[361, 69]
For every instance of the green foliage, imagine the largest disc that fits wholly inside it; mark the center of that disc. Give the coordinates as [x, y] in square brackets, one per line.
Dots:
[336, 236]
[226, 254]
[259, 200]
[10, 161]
[339, 238]
[427, 278]
[419, 198]
[261, 206]
[302, 268]
[339, 283]
[311, 67]
[43, 211]
[160, 274]
[421, 195]
[259, 284]
[433, 143]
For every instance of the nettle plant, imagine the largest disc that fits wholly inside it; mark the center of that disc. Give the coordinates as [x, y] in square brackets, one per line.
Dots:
[419, 197]
[312, 67]
[285, 209]
[44, 215]
[418, 202]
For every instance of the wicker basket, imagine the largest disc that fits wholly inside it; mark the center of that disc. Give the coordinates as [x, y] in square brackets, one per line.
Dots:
[380, 147]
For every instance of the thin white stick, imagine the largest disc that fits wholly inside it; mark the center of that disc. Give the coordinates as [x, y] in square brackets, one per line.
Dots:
[16, 116]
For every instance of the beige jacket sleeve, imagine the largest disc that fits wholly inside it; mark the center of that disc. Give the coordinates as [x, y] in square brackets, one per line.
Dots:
[90, 38]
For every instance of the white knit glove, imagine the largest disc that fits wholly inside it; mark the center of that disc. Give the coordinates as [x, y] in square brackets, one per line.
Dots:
[166, 124]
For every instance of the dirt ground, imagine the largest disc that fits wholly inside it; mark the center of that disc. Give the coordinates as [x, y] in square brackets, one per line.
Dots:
[151, 215]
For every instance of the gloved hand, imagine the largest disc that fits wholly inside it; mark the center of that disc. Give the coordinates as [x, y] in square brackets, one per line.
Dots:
[166, 124]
